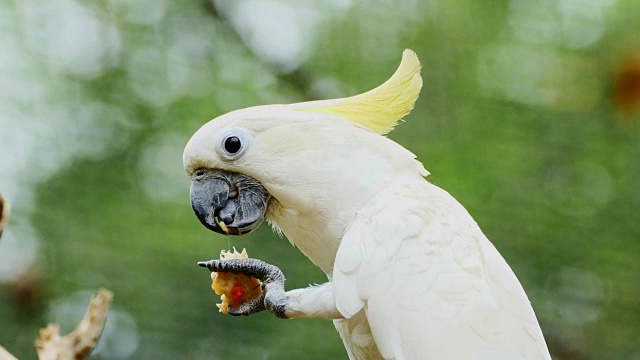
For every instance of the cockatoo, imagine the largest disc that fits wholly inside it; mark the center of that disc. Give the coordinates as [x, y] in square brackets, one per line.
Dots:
[411, 275]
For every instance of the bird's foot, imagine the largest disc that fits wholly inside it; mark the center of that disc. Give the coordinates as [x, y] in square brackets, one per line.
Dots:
[273, 296]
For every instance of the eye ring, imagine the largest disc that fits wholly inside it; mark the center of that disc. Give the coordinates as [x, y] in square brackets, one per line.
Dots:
[233, 143]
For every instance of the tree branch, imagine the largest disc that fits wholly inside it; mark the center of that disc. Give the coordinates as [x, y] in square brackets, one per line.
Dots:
[78, 343]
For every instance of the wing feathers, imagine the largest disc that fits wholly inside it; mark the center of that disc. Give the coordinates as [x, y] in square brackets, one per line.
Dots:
[430, 282]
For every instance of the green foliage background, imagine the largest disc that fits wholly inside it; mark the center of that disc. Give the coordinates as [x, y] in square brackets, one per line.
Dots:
[516, 120]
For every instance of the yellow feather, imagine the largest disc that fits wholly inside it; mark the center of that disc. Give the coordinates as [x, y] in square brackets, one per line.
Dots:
[382, 108]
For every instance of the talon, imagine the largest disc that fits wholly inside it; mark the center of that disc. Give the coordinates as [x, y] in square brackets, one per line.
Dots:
[272, 280]
[232, 312]
[249, 308]
[212, 265]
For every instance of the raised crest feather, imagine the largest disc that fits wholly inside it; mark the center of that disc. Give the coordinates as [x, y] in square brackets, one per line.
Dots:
[382, 108]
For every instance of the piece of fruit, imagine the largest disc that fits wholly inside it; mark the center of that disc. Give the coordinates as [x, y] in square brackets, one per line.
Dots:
[235, 289]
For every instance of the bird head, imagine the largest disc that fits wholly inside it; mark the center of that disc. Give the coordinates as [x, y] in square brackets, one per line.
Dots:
[325, 157]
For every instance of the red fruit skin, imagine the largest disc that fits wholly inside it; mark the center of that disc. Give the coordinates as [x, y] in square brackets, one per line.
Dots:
[237, 292]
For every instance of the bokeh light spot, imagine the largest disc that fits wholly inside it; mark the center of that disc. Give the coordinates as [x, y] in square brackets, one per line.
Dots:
[578, 189]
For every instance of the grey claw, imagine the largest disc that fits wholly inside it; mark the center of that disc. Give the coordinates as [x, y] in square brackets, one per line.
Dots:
[246, 309]
[212, 265]
[259, 269]
[232, 312]
[273, 297]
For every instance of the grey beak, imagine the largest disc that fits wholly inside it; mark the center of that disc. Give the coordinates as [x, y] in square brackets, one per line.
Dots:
[228, 203]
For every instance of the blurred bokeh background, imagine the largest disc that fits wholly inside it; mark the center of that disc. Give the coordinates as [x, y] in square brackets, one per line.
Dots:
[530, 117]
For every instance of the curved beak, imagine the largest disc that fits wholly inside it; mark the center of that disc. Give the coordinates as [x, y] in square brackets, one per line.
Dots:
[228, 203]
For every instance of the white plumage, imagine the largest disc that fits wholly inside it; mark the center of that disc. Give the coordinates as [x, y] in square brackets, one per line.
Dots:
[431, 284]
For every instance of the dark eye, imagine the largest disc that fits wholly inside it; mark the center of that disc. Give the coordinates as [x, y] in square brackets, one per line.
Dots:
[232, 144]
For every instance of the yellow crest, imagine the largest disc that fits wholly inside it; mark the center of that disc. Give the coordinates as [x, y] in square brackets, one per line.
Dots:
[382, 108]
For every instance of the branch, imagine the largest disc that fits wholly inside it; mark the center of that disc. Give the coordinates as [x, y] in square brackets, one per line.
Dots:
[4, 214]
[78, 343]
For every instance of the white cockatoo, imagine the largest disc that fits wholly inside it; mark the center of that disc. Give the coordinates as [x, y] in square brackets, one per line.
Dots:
[411, 275]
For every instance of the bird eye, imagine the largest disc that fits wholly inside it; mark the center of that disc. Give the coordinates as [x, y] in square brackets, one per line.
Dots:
[232, 144]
